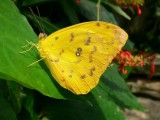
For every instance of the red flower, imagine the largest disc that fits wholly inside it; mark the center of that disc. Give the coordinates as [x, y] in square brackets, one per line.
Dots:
[135, 4]
[78, 1]
[125, 58]
[139, 10]
[152, 70]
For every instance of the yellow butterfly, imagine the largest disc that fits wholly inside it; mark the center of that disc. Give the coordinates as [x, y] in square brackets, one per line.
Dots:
[78, 55]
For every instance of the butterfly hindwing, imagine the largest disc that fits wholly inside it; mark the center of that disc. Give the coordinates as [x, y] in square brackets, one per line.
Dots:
[78, 55]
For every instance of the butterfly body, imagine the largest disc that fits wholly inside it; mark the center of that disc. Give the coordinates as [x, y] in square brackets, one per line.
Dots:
[78, 55]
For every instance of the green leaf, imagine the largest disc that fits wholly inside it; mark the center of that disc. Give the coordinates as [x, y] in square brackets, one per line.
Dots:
[103, 105]
[129, 45]
[100, 106]
[14, 64]
[45, 24]
[14, 33]
[69, 11]
[89, 10]
[35, 2]
[118, 10]
[16, 95]
[6, 111]
[118, 90]
[74, 110]
[29, 105]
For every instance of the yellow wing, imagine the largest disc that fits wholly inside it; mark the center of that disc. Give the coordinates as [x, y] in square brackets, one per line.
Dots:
[78, 55]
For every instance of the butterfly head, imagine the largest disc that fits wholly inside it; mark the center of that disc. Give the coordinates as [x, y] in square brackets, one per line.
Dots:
[42, 36]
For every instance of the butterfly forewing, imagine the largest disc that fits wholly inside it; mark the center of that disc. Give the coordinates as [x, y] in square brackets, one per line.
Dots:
[78, 55]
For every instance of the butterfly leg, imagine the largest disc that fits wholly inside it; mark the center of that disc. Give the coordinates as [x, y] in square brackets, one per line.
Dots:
[35, 62]
[29, 43]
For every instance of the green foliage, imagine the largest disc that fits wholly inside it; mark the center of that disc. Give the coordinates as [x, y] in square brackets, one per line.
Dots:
[144, 29]
[19, 84]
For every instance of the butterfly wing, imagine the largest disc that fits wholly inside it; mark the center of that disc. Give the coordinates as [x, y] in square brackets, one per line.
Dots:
[78, 55]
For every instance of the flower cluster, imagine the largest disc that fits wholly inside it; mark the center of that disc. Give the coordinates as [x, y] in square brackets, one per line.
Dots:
[129, 2]
[125, 58]
[135, 4]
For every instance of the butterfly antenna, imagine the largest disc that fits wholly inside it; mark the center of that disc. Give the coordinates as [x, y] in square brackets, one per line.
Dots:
[40, 25]
[98, 9]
